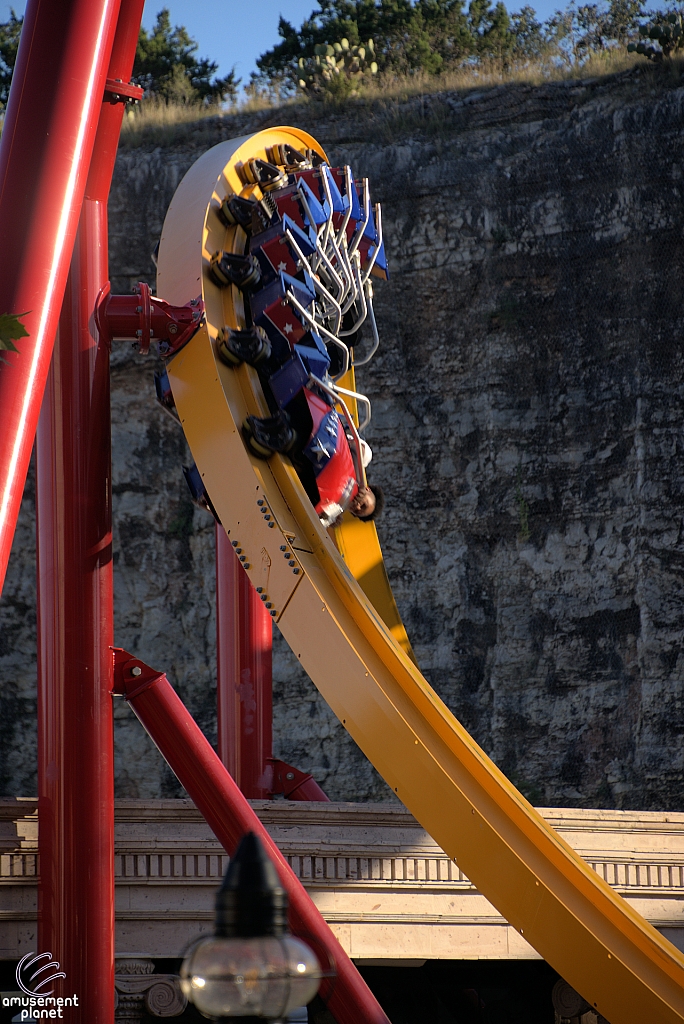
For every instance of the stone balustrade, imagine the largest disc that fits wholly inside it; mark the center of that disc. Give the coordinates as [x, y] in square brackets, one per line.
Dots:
[386, 889]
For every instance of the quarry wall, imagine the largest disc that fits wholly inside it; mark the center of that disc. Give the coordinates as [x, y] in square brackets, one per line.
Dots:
[528, 401]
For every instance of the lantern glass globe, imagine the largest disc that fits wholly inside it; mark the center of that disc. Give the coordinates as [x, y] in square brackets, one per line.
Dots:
[262, 977]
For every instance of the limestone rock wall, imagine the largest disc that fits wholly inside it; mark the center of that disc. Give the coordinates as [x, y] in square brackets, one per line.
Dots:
[527, 427]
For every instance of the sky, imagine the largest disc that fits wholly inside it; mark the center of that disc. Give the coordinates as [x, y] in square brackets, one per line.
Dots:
[229, 32]
[236, 32]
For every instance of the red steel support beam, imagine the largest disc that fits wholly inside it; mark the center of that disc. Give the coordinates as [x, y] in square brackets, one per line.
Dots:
[207, 782]
[75, 628]
[142, 316]
[243, 675]
[244, 687]
[45, 149]
[293, 784]
[75, 604]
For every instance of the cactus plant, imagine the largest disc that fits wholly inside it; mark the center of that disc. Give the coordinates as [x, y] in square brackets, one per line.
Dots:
[667, 32]
[336, 67]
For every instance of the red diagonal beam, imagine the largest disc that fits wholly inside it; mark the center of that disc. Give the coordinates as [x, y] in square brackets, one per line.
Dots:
[208, 783]
[45, 150]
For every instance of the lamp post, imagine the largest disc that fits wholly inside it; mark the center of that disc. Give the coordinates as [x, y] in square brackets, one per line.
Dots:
[251, 967]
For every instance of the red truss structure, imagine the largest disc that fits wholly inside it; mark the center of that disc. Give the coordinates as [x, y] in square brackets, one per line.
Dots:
[57, 153]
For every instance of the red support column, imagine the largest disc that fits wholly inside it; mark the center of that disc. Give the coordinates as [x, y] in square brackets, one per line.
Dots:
[75, 621]
[243, 677]
[75, 606]
[45, 149]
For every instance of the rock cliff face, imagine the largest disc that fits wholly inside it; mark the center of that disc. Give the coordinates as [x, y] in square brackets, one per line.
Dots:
[527, 426]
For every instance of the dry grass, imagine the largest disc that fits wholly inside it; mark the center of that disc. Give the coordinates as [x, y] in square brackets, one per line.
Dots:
[487, 74]
[422, 105]
[158, 123]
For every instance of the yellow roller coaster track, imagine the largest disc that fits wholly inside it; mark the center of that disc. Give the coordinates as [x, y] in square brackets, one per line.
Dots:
[357, 654]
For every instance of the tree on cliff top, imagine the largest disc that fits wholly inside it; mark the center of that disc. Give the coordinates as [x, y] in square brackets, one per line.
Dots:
[407, 36]
[165, 64]
[431, 36]
[591, 28]
[9, 44]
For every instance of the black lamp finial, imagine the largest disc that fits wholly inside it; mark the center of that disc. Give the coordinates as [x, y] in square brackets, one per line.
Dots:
[251, 902]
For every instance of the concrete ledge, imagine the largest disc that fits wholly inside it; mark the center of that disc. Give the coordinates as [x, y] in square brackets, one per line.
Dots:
[387, 890]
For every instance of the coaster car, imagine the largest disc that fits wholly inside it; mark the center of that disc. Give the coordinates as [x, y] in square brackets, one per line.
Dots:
[312, 246]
